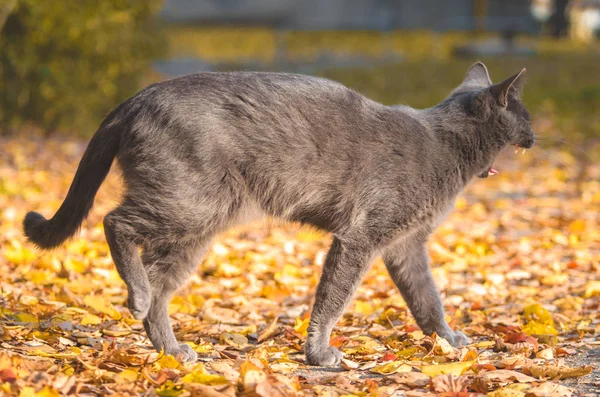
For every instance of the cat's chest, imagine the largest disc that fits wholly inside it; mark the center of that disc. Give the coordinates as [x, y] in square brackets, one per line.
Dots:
[429, 217]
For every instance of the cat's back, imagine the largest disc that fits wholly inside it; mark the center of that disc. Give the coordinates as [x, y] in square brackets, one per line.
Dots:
[263, 87]
[248, 107]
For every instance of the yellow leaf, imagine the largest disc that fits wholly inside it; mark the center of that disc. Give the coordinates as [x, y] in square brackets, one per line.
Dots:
[42, 277]
[302, 326]
[577, 226]
[168, 362]
[47, 392]
[389, 314]
[90, 319]
[310, 235]
[25, 318]
[18, 254]
[27, 392]
[538, 321]
[251, 373]
[204, 378]
[98, 303]
[204, 347]
[391, 367]
[169, 389]
[180, 305]
[196, 300]
[408, 352]
[361, 307]
[536, 328]
[126, 358]
[592, 288]
[127, 376]
[73, 352]
[443, 369]
[75, 265]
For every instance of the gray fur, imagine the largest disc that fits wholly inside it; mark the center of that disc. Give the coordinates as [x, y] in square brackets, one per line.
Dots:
[203, 152]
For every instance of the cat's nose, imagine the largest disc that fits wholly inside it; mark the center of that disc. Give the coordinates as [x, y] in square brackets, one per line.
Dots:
[529, 141]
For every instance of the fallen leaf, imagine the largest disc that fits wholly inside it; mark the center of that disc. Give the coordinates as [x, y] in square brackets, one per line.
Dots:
[412, 379]
[349, 364]
[449, 383]
[538, 321]
[301, 326]
[441, 369]
[169, 389]
[267, 332]
[391, 367]
[549, 389]
[7, 375]
[553, 372]
[98, 303]
[505, 376]
[237, 341]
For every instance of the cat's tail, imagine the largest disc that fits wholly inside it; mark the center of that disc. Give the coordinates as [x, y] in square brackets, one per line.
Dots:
[92, 170]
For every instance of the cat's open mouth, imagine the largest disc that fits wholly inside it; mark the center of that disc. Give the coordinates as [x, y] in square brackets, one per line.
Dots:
[492, 171]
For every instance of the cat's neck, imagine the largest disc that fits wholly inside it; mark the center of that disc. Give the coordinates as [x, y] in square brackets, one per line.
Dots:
[461, 140]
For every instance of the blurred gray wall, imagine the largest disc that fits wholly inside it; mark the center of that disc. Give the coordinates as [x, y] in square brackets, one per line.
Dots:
[353, 14]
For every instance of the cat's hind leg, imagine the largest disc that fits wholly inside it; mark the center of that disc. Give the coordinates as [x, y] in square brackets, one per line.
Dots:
[125, 255]
[168, 267]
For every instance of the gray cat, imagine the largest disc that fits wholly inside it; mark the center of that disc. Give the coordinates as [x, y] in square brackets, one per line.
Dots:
[204, 152]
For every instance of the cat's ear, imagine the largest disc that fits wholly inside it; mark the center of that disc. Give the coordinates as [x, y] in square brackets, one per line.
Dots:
[477, 75]
[501, 90]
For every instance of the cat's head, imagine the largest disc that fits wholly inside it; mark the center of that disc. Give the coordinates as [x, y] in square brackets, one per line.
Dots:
[496, 109]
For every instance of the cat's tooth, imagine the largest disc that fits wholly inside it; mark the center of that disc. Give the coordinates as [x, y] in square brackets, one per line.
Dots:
[516, 149]
[524, 150]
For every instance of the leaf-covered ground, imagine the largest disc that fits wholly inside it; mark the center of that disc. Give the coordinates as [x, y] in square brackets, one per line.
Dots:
[517, 263]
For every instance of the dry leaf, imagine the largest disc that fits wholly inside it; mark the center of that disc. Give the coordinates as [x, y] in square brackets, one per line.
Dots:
[349, 364]
[267, 332]
[449, 383]
[549, 389]
[504, 376]
[515, 260]
[552, 371]
[441, 369]
[412, 379]
[391, 368]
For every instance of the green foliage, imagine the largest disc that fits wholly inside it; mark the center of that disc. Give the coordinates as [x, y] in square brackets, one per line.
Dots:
[67, 63]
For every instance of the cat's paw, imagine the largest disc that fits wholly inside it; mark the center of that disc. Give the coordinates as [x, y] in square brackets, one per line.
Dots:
[139, 304]
[184, 353]
[457, 339]
[329, 357]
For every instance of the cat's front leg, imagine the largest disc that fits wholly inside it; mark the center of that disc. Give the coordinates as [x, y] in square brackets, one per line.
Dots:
[408, 266]
[345, 265]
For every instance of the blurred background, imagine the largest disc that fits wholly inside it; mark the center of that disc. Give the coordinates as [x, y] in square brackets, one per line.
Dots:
[64, 65]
